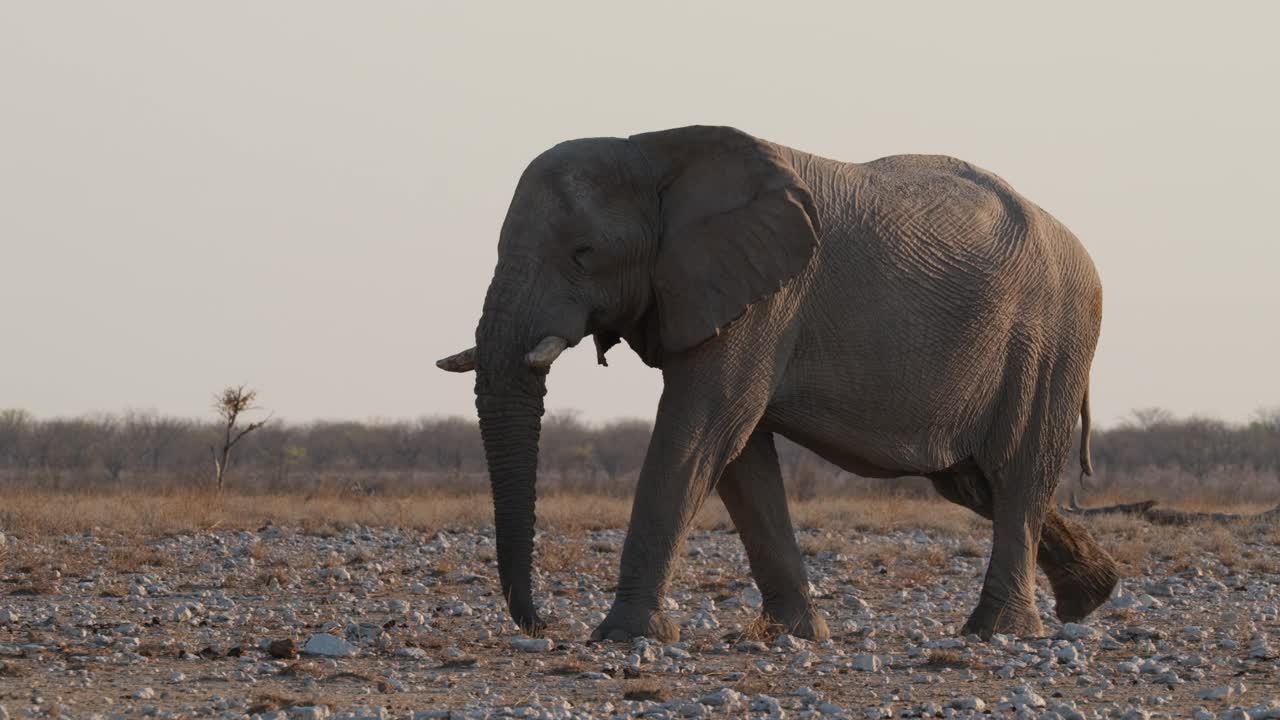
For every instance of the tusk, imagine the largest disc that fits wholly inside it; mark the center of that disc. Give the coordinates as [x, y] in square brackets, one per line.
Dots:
[464, 361]
[546, 352]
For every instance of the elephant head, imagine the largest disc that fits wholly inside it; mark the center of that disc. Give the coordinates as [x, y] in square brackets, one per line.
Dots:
[662, 239]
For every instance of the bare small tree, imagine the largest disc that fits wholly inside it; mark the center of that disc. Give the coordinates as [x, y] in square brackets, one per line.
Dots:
[230, 405]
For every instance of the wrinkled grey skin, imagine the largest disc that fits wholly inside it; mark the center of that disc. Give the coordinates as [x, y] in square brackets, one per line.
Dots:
[908, 316]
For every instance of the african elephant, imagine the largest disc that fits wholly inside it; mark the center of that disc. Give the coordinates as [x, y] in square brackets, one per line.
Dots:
[907, 316]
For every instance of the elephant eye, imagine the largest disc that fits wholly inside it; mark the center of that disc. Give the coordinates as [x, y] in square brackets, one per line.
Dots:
[580, 255]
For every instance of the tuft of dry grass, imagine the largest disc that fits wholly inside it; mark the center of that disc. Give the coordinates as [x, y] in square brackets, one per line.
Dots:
[939, 659]
[562, 557]
[269, 702]
[761, 628]
[971, 548]
[567, 669]
[829, 543]
[132, 558]
[644, 689]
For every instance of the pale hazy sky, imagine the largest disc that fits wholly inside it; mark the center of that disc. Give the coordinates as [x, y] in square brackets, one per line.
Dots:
[305, 196]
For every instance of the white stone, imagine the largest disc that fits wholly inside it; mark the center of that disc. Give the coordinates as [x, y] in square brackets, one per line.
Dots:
[724, 697]
[766, 704]
[340, 574]
[327, 645]
[806, 694]
[969, 702]
[533, 645]
[866, 663]
[1214, 693]
[458, 609]
[1025, 697]
[1076, 631]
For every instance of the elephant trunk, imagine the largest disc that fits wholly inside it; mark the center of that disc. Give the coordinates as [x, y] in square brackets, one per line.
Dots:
[509, 396]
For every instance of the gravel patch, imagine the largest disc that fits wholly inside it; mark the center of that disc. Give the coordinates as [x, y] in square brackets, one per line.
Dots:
[381, 622]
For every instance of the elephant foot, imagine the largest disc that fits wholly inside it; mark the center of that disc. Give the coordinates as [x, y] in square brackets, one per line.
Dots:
[1006, 618]
[1080, 572]
[624, 624]
[803, 621]
[1080, 588]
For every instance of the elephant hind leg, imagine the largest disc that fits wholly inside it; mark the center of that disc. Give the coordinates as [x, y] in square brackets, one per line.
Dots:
[1081, 574]
[1007, 604]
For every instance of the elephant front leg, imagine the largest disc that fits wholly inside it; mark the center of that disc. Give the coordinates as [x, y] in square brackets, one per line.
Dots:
[668, 497]
[753, 492]
[693, 440]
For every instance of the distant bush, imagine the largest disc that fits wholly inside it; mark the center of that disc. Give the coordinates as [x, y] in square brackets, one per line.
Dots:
[1154, 454]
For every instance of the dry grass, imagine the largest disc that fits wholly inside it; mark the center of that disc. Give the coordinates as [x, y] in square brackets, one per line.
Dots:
[39, 513]
[842, 520]
[760, 628]
[562, 557]
[1214, 498]
[133, 558]
[644, 689]
[825, 543]
[939, 659]
[569, 668]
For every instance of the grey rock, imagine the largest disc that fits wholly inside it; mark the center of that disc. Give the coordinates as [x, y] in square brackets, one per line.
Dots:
[766, 704]
[1076, 631]
[326, 645]
[1222, 692]
[533, 645]
[866, 663]
[727, 698]
[968, 702]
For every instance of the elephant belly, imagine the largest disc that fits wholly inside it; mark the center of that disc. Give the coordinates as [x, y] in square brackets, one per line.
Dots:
[857, 445]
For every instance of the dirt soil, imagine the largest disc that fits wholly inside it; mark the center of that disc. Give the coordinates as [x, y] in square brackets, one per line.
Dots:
[359, 621]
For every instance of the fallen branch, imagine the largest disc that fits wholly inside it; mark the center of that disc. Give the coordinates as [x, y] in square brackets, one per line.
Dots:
[1137, 508]
[1180, 517]
[1148, 511]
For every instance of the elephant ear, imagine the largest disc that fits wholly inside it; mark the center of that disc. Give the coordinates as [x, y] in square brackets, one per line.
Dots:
[738, 223]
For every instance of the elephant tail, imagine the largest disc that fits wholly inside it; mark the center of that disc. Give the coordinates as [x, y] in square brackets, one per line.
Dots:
[1086, 463]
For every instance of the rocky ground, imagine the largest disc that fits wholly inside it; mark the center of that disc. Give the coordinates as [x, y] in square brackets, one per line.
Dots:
[380, 622]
